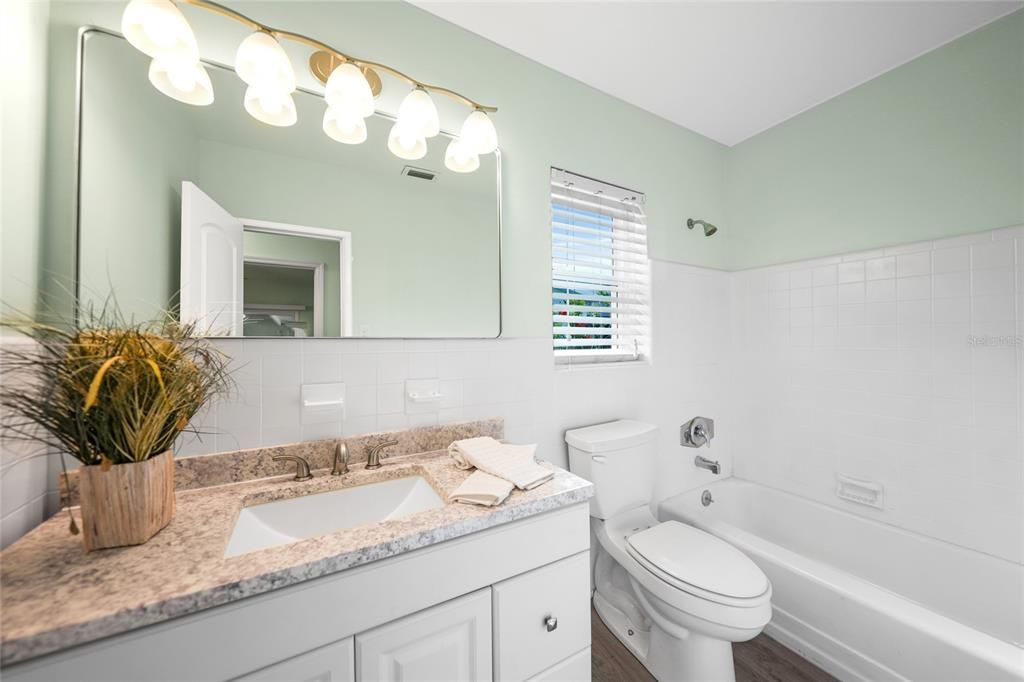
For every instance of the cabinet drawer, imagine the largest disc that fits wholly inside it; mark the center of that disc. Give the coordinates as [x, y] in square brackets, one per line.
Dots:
[541, 618]
[576, 668]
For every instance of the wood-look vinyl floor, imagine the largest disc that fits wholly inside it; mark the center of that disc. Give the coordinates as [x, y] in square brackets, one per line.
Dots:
[760, 660]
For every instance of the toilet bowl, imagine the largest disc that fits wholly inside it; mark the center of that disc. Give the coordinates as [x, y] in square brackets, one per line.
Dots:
[676, 596]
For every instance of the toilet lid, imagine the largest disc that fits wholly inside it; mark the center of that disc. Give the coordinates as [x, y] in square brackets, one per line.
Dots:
[698, 559]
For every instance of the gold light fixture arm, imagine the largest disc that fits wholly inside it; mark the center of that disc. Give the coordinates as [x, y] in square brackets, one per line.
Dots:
[331, 52]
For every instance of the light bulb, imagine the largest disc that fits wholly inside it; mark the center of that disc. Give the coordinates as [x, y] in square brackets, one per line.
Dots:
[348, 91]
[159, 29]
[479, 133]
[406, 144]
[417, 112]
[344, 128]
[459, 157]
[270, 106]
[188, 83]
[261, 61]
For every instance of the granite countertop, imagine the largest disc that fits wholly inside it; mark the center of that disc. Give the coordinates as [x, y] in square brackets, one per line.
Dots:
[55, 595]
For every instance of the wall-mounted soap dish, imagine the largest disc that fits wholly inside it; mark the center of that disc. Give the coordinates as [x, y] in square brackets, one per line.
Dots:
[857, 490]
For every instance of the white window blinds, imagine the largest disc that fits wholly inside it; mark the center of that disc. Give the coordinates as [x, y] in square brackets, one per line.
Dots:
[600, 275]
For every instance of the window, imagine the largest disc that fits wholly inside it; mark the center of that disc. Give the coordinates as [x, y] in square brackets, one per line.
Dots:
[599, 271]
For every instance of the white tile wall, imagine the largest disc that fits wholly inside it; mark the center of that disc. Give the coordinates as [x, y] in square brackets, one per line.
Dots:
[869, 371]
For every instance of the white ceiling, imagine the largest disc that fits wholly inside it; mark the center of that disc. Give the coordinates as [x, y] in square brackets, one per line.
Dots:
[727, 70]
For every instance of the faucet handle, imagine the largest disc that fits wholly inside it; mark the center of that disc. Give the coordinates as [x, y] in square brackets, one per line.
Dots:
[301, 466]
[341, 457]
[697, 432]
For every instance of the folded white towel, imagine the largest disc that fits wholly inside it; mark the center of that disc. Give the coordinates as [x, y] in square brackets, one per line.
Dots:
[483, 489]
[515, 463]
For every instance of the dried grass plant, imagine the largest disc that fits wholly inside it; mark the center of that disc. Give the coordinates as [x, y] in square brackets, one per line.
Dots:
[105, 389]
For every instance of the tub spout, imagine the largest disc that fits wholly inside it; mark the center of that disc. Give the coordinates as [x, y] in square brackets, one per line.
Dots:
[709, 464]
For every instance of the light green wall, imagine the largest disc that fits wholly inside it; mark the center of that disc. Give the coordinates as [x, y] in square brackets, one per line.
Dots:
[545, 120]
[23, 27]
[932, 149]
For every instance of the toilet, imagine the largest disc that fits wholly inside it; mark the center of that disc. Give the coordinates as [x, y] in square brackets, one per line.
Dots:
[675, 596]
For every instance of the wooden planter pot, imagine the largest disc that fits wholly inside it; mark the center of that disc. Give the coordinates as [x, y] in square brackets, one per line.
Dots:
[128, 503]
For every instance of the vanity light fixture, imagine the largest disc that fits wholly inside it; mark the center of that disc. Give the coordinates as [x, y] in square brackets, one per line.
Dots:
[160, 30]
[263, 65]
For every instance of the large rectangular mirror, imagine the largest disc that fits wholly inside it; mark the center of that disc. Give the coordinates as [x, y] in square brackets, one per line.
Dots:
[254, 230]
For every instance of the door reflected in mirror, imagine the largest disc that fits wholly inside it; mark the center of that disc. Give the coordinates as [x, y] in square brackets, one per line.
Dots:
[252, 230]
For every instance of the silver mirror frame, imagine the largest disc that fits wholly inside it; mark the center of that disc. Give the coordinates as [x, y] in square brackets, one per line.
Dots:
[83, 33]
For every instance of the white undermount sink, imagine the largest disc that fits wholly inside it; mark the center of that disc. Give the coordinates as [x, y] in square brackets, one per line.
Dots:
[298, 518]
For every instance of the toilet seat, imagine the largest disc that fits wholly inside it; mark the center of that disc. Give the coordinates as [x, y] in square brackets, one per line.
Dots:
[698, 563]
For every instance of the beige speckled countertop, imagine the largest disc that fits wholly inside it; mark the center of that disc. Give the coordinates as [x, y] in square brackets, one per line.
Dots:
[55, 595]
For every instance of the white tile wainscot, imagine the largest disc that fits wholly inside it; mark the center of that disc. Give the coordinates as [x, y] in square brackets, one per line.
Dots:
[901, 366]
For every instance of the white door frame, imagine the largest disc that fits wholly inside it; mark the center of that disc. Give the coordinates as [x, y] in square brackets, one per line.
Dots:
[318, 284]
[344, 240]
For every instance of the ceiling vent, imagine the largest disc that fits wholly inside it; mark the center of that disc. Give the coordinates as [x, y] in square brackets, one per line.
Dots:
[419, 173]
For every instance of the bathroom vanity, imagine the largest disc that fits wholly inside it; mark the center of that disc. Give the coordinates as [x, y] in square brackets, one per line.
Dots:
[447, 592]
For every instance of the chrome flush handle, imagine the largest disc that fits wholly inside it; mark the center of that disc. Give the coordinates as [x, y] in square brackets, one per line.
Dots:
[551, 623]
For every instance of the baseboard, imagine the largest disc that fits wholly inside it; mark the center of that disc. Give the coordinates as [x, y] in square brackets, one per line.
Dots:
[832, 656]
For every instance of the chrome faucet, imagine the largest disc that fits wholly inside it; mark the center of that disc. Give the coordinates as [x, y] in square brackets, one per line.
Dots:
[341, 456]
[709, 464]
[376, 454]
[301, 466]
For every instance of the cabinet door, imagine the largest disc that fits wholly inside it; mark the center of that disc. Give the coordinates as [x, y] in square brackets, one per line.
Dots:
[541, 618]
[334, 662]
[446, 643]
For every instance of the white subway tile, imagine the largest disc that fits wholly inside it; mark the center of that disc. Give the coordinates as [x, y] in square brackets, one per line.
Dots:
[825, 295]
[800, 278]
[801, 298]
[851, 293]
[993, 282]
[850, 272]
[914, 264]
[880, 290]
[951, 260]
[910, 288]
[991, 255]
[880, 268]
[951, 284]
[824, 275]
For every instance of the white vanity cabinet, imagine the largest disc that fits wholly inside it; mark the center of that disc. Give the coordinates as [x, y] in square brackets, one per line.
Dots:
[509, 603]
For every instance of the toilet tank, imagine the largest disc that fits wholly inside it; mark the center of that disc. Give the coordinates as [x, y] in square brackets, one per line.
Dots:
[618, 458]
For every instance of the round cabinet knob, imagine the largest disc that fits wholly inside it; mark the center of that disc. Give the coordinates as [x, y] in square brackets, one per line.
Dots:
[551, 623]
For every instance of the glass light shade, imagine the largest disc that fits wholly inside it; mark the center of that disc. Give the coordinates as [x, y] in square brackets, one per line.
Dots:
[479, 133]
[340, 126]
[261, 61]
[188, 83]
[418, 112]
[270, 106]
[159, 29]
[348, 92]
[459, 157]
[406, 144]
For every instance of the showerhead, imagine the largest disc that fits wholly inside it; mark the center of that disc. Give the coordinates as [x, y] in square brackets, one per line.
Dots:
[709, 229]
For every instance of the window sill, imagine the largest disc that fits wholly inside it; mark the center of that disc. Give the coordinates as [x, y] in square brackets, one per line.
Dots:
[609, 364]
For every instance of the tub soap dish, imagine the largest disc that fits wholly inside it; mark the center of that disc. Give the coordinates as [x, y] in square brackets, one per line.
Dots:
[860, 491]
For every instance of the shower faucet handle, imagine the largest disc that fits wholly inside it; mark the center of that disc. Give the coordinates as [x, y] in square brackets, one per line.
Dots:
[697, 432]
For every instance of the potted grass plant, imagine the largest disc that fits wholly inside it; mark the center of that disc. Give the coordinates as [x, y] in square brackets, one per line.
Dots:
[115, 395]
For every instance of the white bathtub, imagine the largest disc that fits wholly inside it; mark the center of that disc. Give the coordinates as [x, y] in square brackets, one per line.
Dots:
[866, 600]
